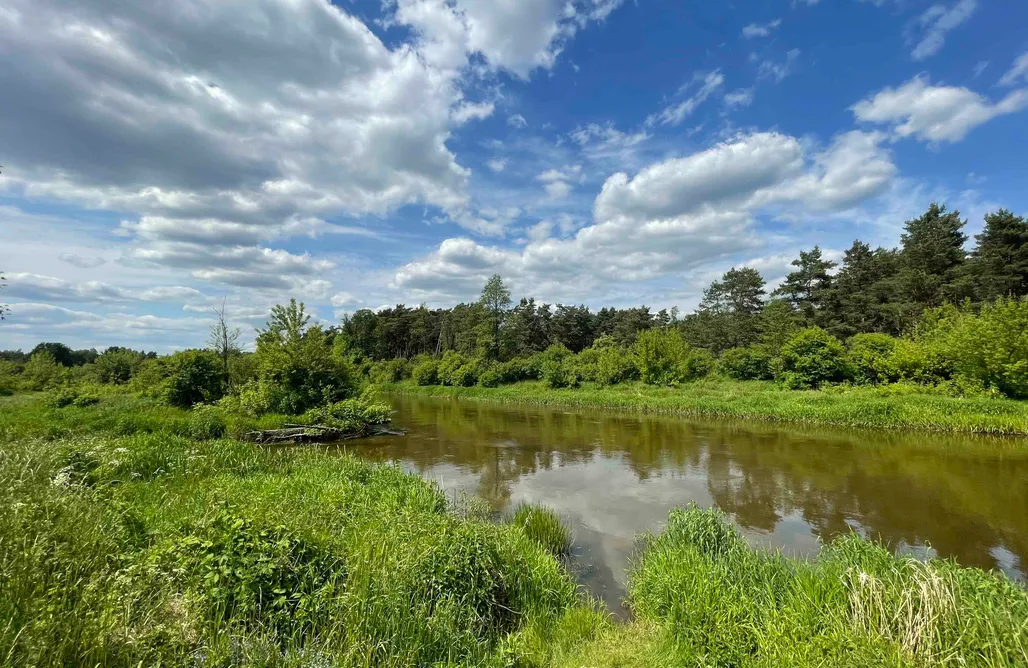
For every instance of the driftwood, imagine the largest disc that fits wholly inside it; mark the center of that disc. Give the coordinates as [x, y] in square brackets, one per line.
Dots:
[314, 433]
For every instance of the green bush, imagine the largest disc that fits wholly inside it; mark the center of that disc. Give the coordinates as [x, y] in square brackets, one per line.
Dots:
[191, 377]
[457, 371]
[521, 368]
[812, 358]
[871, 358]
[465, 375]
[42, 372]
[490, 378]
[60, 397]
[664, 358]
[354, 415]
[990, 347]
[558, 367]
[920, 360]
[390, 371]
[615, 364]
[206, 423]
[750, 363]
[116, 365]
[426, 373]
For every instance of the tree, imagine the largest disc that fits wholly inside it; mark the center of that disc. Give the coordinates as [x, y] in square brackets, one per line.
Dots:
[61, 353]
[863, 290]
[224, 341]
[998, 266]
[932, 254]
[495, 299]
[808, 287]
[728, 315]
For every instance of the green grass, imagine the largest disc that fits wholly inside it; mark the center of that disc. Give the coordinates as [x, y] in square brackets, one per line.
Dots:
[895, 407]
[163, 549]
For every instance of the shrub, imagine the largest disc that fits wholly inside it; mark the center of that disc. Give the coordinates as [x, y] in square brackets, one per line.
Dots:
[665, 358]
[42, 372]
[544, 527]
[751, 363]
[465, 375]
[60, 397]
[390, 371]
[812, 358]
[206, 423]
[490, 378]
[192, 377]
[920, 361]
[870, 356]
[990, 347]
[521, 368]
[116, 365]
[426, 373]
[351, 415]
[457, 371]
[558, 367]
[614, 365]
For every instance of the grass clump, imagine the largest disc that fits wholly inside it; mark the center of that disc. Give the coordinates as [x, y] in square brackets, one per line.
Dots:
[720, 603]
[545, 527]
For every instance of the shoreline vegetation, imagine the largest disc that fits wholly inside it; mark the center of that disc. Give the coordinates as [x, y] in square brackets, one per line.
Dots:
[903, 408]
[142, 541]
[139, 530]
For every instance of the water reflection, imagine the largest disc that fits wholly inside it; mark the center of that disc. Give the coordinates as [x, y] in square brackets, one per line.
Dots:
[616, 476]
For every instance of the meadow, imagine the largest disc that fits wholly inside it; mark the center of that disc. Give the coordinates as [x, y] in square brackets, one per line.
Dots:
[132, 538]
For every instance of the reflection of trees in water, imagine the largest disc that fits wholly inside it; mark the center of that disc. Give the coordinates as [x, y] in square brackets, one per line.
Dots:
[964, 497]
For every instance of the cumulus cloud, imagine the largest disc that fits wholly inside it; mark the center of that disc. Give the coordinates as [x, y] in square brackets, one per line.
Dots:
[517, 121]
[515, 36]
[760, 29]
[934, 113]
[1017, 73]
[676, 113]
[24, 285]
[670, 217]
[496, 165]
[936, 22]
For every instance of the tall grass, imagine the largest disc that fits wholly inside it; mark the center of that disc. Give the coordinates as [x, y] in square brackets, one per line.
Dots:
[856, 604]
[890, 407]
[545, 527]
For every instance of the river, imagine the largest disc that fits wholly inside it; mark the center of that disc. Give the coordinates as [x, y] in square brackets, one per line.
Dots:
[614, 476]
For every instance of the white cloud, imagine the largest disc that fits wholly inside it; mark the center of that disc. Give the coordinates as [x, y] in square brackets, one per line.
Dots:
[469, 111]
[742, 97]
[676, 113]
[1017, 72]
[672, 216]
[934, 113]
[497, 165]
[24, 285]
[82, 261]
[936, 22]
[769, 69]
[980, 67]
[516, 35]
[517, 121]
[760, 29]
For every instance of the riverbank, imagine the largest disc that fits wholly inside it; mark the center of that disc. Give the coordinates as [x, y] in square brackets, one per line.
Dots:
[160, 548]
[891, 407]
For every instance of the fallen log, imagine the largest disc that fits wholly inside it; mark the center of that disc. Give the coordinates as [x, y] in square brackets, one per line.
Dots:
[314, 433]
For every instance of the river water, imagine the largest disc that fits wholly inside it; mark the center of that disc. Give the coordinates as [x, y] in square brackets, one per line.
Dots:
[614, 476]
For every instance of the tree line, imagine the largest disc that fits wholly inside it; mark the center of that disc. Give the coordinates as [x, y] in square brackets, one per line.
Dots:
[873, 290]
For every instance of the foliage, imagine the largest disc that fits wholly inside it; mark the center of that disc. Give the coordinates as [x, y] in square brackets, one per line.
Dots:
[614, 365]
[390, 371]
[808, 288]
[665, 358]
[42, 372]
[426, 372]
[871, 358]
[812, 358]
[116, 365]
[457, 370]
[297, 366]
[558, 367]
[998, 266]
[354, 415]
[70, 396]
[751, 363]
[183, 378]
[990, 347]
[206, 422]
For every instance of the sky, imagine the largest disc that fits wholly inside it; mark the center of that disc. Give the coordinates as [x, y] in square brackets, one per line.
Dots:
[164, 158]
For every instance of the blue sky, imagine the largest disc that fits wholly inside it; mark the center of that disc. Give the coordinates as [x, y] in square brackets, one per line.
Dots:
[163, 158]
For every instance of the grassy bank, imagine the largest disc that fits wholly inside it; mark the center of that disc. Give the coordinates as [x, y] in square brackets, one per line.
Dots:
[891, 407]
[161, 549]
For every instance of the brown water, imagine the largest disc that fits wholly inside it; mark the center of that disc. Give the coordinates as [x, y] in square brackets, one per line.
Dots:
[615, 476]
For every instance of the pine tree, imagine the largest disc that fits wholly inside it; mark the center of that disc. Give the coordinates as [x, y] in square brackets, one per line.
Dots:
[863, 290]
[808, 287]
[998, 266]
[728, 315]
[932, 257]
